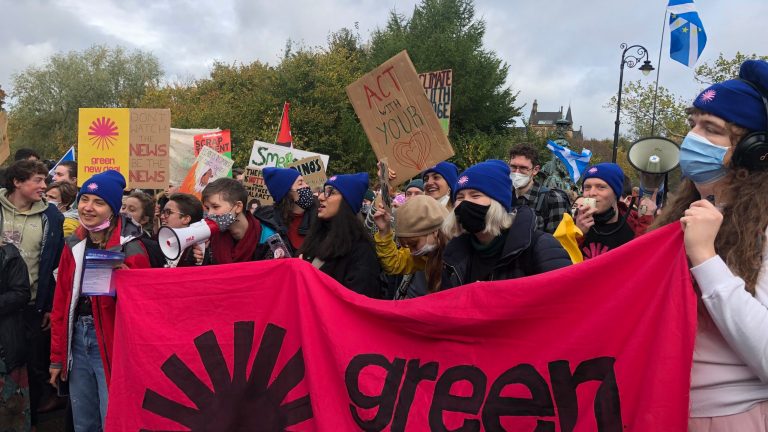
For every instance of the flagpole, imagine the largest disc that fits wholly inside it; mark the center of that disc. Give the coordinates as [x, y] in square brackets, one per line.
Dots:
[280, 124]
[658, 70]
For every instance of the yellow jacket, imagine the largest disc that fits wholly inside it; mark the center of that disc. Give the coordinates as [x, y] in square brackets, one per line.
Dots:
[568, 234]
[396, 261]
[70, 225]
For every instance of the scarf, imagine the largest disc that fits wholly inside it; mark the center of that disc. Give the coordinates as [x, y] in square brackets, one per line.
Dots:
[226, 251]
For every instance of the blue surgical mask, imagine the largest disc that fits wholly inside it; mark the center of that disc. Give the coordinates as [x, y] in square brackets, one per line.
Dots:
[700, 160]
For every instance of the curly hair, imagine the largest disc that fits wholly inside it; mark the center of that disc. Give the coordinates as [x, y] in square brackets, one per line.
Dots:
[741, 238]
[525, 150]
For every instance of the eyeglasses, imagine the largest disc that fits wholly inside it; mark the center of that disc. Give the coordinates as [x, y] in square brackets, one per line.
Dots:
[169, 212]
[329, 190]
[518, 168]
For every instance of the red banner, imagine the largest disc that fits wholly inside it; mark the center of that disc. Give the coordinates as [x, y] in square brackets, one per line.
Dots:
[605, 345]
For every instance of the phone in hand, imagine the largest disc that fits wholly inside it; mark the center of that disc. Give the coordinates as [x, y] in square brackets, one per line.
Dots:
[278, 247]
[62, 387]
[590, 202]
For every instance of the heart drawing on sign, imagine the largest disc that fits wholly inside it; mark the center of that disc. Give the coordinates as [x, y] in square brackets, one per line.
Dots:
[414, 153]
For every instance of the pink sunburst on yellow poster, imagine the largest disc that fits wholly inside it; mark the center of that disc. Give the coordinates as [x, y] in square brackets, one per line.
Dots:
[102, 141]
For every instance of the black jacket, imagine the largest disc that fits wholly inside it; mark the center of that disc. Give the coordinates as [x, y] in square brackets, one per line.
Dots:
[14, 295]
[268, 215]
[527, 251]
[358, 270]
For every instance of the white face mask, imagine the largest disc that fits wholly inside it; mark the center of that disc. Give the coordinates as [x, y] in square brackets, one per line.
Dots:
[426, 249]
[519, 180]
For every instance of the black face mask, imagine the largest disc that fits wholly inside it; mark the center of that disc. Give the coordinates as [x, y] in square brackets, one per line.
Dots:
[306, 198]
[471, 216]
[605, 217]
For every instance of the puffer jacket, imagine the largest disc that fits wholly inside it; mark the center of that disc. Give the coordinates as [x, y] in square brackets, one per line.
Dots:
[527, 251]
[124, 238]
[14, 295]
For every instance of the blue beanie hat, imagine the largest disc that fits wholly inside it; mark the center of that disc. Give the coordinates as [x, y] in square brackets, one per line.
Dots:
[608, 172]
[352, 188]
[736, 101]
[491, 178]
[279, 181]
[446, 169]
[108, 186]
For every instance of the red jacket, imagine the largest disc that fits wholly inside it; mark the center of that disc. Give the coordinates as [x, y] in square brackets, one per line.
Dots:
[103, 307]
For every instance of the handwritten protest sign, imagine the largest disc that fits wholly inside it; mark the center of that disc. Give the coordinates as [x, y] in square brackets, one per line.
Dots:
[183, 152]
[102, 141]
[221, 141]
[269, 155]
[438, 88]
[208, 167]
[150, 140]
[5, 145]
[253, 180]
[313, 171]
[398, 118]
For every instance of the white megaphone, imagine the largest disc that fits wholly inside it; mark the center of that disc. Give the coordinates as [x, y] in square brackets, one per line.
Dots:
[173, 241]
[653, 157]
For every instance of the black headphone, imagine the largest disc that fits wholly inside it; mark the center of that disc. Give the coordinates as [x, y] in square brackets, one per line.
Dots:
[752, 151]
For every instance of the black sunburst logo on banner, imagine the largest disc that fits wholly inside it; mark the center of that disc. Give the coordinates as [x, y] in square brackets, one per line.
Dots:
[239, 402]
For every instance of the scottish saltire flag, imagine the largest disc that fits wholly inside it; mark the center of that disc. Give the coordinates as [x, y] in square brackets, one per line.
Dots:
[576, 163]
[687, 37]
[68, 156]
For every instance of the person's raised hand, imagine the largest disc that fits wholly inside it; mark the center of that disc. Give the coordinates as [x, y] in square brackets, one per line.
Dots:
[701, 223]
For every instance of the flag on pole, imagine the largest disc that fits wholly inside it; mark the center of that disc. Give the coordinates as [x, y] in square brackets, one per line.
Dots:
[574, 162]
[687, 37]
[284, 137]
[68, 156]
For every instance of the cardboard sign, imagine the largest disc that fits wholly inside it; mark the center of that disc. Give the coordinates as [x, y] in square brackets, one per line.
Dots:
[437, 86]
[270, 155]
[313, 171]
[150, 142]
[208, 167]
[398, 118]
[253, 180]
[5, 145]
[102, 141]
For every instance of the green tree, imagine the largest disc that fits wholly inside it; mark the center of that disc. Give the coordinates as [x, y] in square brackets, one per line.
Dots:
[46, 99]
[2, 98]
[722, 68]
[637, 111]
[445, 34]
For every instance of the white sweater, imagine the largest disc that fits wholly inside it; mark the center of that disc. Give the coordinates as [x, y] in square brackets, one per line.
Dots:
[730, 359]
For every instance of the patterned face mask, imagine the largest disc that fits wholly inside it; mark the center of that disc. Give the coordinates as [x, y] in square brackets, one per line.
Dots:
[223, 221]
[306, 198]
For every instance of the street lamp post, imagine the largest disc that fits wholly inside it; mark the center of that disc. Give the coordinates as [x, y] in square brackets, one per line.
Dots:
[630, 59]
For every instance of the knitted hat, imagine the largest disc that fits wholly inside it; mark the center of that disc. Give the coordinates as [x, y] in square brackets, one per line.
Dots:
[108, 186]
[491, 178]
[608, 172]
[445, 169]
[736, 101]
[279, 181]
[352, 188]
[418, 184]
[419, 216]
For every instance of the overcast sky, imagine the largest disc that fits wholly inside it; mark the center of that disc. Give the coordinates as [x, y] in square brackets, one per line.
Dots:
[560, 52]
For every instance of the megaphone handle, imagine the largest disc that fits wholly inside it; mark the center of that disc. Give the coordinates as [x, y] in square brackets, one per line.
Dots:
[202, 249]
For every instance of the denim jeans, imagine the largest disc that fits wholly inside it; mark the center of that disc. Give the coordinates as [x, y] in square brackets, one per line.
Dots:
[87, 382]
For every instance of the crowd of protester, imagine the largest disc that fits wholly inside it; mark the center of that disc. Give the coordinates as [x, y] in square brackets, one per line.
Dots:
[447, 227]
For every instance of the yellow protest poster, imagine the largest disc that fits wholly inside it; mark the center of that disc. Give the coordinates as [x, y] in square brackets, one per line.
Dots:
[102, 141]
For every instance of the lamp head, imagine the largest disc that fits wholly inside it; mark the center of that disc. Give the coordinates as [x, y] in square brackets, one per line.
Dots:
[646, 68]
